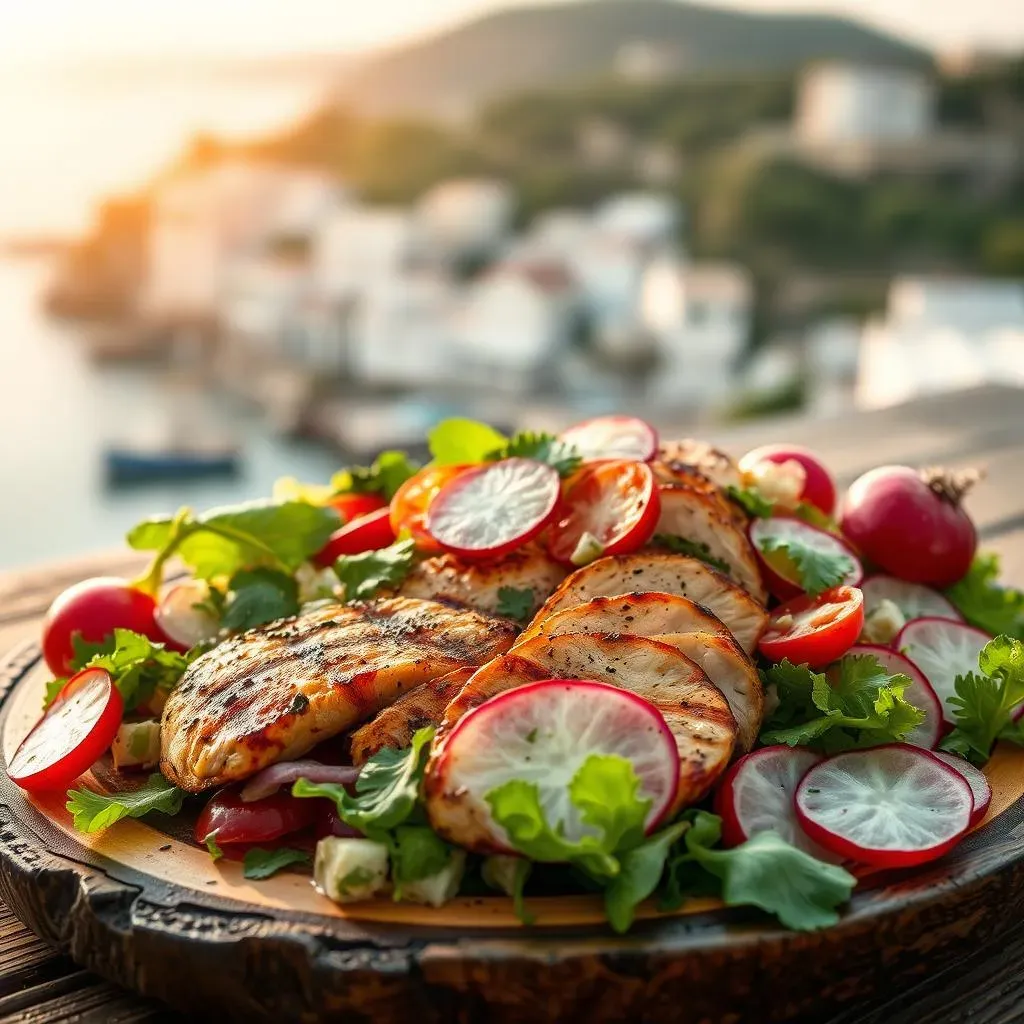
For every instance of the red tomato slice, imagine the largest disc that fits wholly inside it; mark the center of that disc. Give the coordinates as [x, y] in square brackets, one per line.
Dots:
[411, 501]
[355, 506]
[72, 736]
[366, 534]
[815, 630]
[616, 502]
[255, 822]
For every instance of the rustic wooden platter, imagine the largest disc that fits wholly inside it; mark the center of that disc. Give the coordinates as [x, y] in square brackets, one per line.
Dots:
[148, 909]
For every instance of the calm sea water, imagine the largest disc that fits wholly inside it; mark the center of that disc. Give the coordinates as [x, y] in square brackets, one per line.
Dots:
[56, 413]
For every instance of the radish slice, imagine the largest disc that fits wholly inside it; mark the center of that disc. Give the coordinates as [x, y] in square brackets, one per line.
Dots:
[756, 795]
[890, 807]
[919, 693]
[179, 618]
[779, 571]
[980, 789]
[542, 733]
[914, 600]
[942, 649]
[493, 509]
[613, 437]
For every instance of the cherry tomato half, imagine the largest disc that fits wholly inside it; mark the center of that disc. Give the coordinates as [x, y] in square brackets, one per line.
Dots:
[73, 734]
[411, 501]
[355, 506]
[615, 502]
[93, 609]
[815, 630]
[365, 534]
[237, 822]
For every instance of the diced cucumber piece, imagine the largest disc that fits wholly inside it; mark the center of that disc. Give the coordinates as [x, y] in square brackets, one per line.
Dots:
[437, 889]
[136, 745]
[350, 870]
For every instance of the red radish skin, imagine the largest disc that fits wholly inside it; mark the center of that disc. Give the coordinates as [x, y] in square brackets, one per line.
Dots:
[914, 600]
[942, 649]
[616, 502]
[547, 729]
[912, 525]
[72, 736]
[819, 487]
[975, 777]
[493, 509]
[892, 806]
[919, 692]
[613, 437]
[756, 795]
[775, 572]
[367, 533]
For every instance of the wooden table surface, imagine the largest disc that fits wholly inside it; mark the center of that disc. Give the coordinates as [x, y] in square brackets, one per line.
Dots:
[978, 428]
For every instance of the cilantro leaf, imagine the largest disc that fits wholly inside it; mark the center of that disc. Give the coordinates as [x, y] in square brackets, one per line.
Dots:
[417, 852]
[987, 605]
[751, 501]
[386, 789]
[984, 701]
[83, 651]
[640, 871]
[544, 448]
[387, 473]
[683, 546]
[259, 864]
[257, 596]
[364, 574]
[459, 440]
[514, 603]
[221, 541]
[92, 811]
[768, 873]
[816, 570]
[856, 704]
[141, 668]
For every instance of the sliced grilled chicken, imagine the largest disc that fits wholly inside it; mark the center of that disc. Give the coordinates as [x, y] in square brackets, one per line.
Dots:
[680, 623]
[662, 572]
[687, 475]
[275, 692]
[694, 709]
[720, 468]
[477, 584]
[395, 725]
[694, 516]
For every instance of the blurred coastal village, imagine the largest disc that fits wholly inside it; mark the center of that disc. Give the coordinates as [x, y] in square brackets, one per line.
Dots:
[811, 235]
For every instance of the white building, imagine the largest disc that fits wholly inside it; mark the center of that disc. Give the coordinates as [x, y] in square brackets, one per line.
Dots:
[699, 315]
[203, 221]
[941, 334]
[649, 220]
[844, 103]
[515, 322]
[465, 217]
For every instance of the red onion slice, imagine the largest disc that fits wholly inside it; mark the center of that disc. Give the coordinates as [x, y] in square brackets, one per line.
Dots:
[271, 779]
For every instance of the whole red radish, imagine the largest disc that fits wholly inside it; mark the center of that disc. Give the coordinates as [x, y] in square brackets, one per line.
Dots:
[912, 523]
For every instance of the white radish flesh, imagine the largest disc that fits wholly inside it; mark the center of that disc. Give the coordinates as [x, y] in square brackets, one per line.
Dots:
[890, 807]
[613, 437]
[914, 600]
[975, 777]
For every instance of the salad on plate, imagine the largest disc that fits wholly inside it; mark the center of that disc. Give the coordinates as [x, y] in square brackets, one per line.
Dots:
[598, 662]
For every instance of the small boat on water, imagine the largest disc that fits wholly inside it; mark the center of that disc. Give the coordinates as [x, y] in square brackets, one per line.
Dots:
[125, 465]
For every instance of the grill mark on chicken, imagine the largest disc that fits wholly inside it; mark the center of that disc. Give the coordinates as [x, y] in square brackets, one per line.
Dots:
[274, 692]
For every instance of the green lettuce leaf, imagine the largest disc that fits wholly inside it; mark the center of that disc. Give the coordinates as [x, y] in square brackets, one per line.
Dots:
[258, 864]
[93, 811]
[417, 852]
[258, 596]
[640, 871]
[389, 471]
[454, 441]
[987, 605]
[544, 448]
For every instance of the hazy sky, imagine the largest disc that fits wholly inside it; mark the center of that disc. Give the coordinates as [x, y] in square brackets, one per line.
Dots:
[31, 30]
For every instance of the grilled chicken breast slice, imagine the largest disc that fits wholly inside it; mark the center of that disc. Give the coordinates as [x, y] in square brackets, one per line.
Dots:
[662, 572]
[273, 693]
[720, 468]
[694, 709]
[680, 623]
[688, 476]
[693, 516]
[395, 725]
[478, 584]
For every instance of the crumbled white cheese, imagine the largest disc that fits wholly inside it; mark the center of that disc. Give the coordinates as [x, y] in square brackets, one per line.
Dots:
[350, 870]
[778, 482]
[178, 616]
[136, 745]
[315, 584]
[437, 889]
[883, 623]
